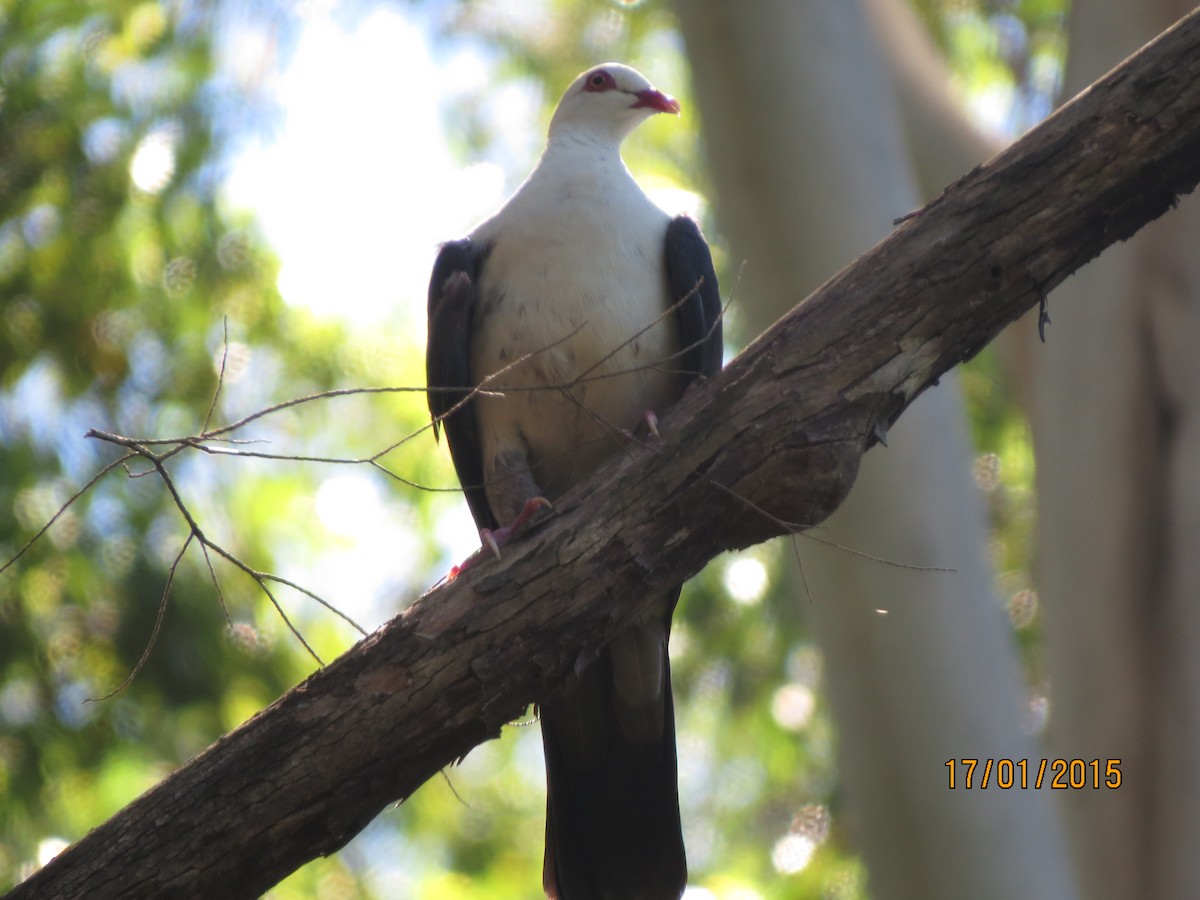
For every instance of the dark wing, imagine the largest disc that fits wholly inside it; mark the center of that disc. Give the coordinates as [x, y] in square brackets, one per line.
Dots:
[448, 366]
[690, 275]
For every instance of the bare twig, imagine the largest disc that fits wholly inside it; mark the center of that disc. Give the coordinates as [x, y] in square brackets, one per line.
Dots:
[62, 509]
[158, 620]
[220, 375]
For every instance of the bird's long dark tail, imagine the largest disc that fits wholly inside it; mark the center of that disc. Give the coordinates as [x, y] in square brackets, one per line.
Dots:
[612, 803]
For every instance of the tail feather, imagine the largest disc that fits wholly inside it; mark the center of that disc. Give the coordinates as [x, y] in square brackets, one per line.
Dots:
[612, 804]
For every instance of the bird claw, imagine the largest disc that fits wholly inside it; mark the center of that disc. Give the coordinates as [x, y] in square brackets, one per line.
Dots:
[488, 538]
[531, 507]
[651, 422]
[648, 423]
[491, 539]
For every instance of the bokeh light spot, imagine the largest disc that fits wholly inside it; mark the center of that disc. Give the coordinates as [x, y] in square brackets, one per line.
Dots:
[153, 163]
[792, 853]
[792, 707]
[746, 580]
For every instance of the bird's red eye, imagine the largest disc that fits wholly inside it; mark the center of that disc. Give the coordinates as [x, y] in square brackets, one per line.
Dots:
[599, 80]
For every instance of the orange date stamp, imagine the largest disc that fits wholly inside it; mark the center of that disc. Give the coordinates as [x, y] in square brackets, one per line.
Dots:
[1023, 774]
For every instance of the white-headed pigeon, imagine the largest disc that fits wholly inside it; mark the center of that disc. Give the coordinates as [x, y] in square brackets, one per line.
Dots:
[597, 309]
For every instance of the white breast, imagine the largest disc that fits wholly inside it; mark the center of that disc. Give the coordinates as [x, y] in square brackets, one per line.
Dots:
[575, 281]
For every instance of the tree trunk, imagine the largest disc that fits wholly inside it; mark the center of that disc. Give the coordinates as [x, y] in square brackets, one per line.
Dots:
[805, 180]
[1116, 426]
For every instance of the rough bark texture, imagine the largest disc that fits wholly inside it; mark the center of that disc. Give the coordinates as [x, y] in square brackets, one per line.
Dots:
[775, 439]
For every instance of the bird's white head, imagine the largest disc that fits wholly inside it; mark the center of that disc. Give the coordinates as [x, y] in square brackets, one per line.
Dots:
[607, 102]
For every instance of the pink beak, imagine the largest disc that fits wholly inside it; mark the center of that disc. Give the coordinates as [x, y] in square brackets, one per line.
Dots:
[657, 101]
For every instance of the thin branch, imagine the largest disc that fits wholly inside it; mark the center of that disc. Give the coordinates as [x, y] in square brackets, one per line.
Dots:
[62, 509]
[216, 584]
[158, 620]
[157, 461]
[220, 375]
[260, 577]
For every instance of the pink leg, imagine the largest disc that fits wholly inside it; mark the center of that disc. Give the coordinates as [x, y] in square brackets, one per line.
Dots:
[491, 539]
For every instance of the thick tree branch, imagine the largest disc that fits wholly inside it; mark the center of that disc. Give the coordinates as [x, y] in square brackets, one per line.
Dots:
[772, 444]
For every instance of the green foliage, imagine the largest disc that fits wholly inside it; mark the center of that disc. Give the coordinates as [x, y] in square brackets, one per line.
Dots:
[1004, 471]
[1006, 55]
[115, 273]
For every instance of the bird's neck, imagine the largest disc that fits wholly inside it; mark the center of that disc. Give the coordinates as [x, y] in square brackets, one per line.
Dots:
[581, 156]
[583, 144]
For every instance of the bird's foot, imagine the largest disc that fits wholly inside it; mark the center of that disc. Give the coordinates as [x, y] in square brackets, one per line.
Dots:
[647, 426]
[650, 420]
[492, 538]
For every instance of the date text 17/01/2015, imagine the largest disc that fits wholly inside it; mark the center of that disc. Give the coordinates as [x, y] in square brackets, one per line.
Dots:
[1022, 774]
